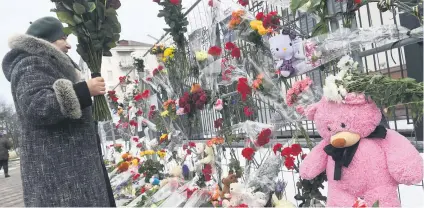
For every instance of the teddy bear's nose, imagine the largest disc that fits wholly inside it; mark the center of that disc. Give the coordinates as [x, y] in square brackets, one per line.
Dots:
[338, 143]
[284, 49]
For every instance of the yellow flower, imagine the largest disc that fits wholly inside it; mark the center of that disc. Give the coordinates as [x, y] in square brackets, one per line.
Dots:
[149, 152]
[161, 153]
[135, 162]
[163, 137]
[164, 113]
[255, 24]
[142, 153]
[169, 53]
[201, 55]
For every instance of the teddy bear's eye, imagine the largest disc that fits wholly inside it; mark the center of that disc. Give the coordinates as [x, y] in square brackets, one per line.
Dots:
[343, 125]
[329, 129]
[276, 49]
[290, 44]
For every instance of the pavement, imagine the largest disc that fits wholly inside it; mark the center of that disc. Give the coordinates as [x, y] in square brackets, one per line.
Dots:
[11, 188]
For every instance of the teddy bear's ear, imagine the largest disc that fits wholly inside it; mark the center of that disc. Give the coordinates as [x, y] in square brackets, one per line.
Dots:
[310, 111]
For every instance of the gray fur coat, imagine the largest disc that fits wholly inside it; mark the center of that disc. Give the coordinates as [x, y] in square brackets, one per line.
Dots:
[60, 162]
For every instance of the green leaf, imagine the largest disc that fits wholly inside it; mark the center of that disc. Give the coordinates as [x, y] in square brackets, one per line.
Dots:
[107, 53]
[319, 29]
[376, 204]
[79, 8]
[110, 12]
[314, 3]
[92, 6]
[296, 4]
[77, 19]
[90, 25]
[66, 17]
[111, 45]
[68, 30]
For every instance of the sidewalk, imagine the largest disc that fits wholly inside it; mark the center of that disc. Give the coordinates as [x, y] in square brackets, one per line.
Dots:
[11, 188]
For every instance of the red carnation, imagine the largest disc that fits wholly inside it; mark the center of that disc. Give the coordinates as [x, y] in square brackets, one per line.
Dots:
[185, 147]
[357, 1]
[136, 81]
[135, 139]
[139, 112]
[160, 67]
[136, 176]
[149, 79]
[142, 190]
[243, 2]
[133, 123]
[145, 94]
[289, 162]
[218, 123]
[210, 3]
[192, 144]
[112, 92]
[260, 16]
[174, 2]
[138, 97]
[263, 137]
[236, 53]
[296, 149]
[207, 172]
[242, 205]
[248, 153]
[247, 111]
[303, 156]
[286, 152]
[115, 99]
[155, 71]
[243, 88]
[139, 145]
[215, 51]
[188, 152]
[229, 46]
[277, 147]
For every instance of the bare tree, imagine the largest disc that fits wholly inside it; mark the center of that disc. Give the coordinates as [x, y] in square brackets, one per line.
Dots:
[9, 123]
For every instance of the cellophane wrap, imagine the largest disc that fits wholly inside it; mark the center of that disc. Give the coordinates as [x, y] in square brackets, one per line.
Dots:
[198, 198]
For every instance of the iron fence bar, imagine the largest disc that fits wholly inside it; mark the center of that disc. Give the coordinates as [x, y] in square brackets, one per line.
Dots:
[401, 43]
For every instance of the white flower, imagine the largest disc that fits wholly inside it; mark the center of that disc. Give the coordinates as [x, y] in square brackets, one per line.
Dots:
[355, 65]
[331, 92]
[342, 91]
[341, 74]
[137, 55]
[345, 62]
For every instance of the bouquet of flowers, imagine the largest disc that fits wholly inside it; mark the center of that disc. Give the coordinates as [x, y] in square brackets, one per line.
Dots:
[97, 28]
[196, 99]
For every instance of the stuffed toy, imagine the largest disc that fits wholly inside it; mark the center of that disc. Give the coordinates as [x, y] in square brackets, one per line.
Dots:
[226, 182]
[361, 158]
[281, 203]
[285, 49]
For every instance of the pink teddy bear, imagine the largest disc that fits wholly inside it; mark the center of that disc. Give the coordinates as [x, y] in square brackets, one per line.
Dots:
[361, 158]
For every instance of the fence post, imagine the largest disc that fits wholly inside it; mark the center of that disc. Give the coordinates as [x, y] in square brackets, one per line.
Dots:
[414, 62]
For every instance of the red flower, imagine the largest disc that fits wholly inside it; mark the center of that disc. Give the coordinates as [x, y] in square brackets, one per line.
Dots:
[136, 81]
[277, 147]
[133, 123]
[247, 111]
[218, 123]
[357, 1]
[139, 112]
[286, 152]
[155, 71]
[207, 172]
[160, 67]
[230, 46]
[215, 51]
[146, 94]
[142, 190]
[185, 147]
[260, 16]
[135, 139]
[174, 2]
[210, 3]
[190, 192]
[303, 156]
[115, 99]
[139, 145]
[289, 162]
[192, 144]
[243, 2]
[136, 176]
[243, 88]
[242, 205]
[235, 53]
[263, 137]
[248, 153]
[296, 149]
[112, 92]
[188, 152]
[149, 79]
[122, 79]
[138, 97]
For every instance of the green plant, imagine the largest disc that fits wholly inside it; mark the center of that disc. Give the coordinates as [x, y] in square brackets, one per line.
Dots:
[97, 28]
[150, 168]
[175, 19]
